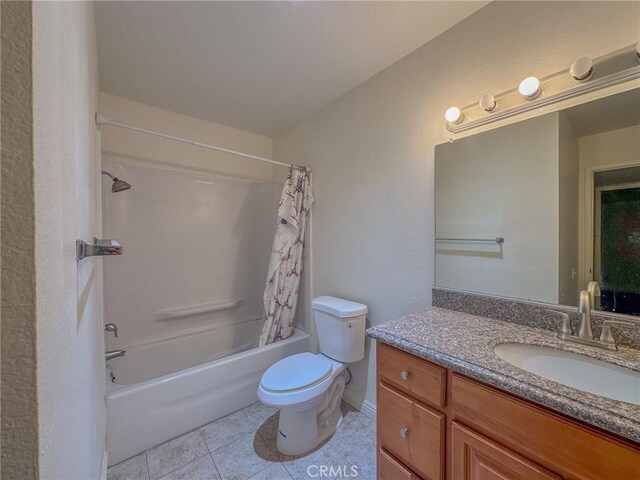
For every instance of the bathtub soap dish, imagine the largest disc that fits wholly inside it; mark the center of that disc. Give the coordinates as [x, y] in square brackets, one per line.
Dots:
[99, 247]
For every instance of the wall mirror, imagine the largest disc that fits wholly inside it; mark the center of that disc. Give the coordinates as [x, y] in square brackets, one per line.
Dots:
[538, 209]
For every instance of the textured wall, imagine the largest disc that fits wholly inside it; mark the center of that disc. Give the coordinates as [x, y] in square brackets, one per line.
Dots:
[19, 407]
[71, 374]
[371, 150]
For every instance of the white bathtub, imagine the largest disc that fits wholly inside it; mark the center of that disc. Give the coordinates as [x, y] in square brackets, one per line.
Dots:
[165, 389]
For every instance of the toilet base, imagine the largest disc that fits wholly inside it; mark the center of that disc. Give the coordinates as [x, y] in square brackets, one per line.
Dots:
[300, 431]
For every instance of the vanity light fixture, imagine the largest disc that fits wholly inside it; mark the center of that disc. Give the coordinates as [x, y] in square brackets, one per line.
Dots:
[487, 103]
[454, 116]
[582, 69]
[586, 74]
[529, 88]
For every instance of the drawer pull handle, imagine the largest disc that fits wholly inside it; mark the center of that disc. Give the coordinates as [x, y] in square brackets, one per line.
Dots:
[404, 432]
[404, 375]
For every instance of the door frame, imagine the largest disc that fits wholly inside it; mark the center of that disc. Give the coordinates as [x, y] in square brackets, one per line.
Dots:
[590, 213]
[597, 231]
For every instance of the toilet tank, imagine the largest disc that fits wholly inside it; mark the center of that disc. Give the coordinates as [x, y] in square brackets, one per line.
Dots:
[340, 325]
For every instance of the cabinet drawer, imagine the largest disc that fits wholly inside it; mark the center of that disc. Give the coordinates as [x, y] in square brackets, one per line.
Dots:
[391, 469]
[477, 458]
[412, 432]
[419, 378]
[555, 442]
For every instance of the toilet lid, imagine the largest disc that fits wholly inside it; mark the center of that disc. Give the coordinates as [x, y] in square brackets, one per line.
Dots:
[296, 372]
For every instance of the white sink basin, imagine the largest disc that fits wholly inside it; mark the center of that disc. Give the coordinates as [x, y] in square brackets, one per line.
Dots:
[574, 370]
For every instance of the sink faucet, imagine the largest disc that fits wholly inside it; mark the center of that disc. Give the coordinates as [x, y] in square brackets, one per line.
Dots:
[584, 335]
[584, 309]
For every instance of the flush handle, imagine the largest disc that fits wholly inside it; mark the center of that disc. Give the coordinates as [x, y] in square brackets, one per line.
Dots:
[404, 375]
[404, 432]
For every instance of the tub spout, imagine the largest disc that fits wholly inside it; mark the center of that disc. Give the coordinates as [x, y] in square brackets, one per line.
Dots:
[114, 354]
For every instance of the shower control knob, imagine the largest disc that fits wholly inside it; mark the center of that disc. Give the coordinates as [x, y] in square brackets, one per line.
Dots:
[404, 375]
[404, 432]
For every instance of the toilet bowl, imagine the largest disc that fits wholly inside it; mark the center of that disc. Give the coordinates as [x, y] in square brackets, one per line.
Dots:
[307, 387]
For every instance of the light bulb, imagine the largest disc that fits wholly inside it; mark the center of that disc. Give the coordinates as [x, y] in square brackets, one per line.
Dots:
[582, 69]
[529, 88]
[453, 115]
[487, 103]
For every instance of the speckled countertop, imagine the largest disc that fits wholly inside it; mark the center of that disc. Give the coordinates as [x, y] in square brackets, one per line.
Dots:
[464, 343]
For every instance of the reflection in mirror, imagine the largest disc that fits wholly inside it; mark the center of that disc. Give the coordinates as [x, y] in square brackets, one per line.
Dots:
[616, 258]
[563, 192]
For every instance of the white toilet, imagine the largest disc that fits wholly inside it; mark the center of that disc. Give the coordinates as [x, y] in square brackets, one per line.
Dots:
[307, 388]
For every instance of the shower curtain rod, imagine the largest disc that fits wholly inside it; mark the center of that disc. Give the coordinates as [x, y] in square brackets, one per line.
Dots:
[102, 120]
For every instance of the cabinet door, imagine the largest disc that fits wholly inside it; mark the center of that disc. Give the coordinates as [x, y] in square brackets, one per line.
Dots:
[477, 458]
[391, 469]
[412, 432]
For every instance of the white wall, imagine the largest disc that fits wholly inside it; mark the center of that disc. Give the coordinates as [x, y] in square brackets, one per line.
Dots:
[133, 146]
[371, 150]
[503, 182]
[569, 239]
[71, 412]
[608, 149]
[196, 226]
[189, 240]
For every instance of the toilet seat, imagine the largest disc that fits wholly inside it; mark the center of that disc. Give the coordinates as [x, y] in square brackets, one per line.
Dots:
[296, 372]
[298, 380]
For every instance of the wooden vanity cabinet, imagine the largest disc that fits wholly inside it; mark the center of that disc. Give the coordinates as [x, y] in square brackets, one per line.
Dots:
[434, 424]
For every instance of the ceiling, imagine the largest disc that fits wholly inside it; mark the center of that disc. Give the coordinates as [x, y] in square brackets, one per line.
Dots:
[258, 66]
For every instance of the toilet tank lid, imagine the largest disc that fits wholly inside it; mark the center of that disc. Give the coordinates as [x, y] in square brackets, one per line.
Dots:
[338, 306]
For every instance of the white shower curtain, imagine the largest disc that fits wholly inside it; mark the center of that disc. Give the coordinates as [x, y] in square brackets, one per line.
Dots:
[285, 266]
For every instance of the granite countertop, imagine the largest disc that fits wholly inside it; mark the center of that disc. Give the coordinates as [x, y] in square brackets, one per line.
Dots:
[464, 343]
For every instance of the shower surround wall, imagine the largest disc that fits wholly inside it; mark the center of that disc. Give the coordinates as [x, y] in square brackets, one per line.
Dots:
[196, 225]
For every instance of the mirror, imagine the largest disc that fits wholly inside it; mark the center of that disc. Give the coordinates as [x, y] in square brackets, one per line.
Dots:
[541, 209]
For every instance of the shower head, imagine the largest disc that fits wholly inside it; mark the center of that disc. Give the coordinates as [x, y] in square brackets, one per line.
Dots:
[118, 185]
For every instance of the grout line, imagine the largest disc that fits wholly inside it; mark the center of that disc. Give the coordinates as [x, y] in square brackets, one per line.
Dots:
[264, 468]
[188, 463]
[205, 441]
[146, 460]
[214, 465]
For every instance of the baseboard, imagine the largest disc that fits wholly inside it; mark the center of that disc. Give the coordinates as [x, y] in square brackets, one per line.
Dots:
[359, 403]
[105, 463]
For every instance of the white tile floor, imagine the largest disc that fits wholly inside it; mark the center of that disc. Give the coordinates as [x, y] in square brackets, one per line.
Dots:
[242, 446]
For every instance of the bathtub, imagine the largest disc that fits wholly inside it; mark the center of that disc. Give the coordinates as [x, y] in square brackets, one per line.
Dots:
[165, 389]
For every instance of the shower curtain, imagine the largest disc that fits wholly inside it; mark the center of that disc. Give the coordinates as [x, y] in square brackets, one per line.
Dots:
[285, 266]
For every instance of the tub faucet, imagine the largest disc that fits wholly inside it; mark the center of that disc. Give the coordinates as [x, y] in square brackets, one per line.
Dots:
[111, 327]
[114, 354]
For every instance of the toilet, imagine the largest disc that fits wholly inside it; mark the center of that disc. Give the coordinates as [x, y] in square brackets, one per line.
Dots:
[307, 387]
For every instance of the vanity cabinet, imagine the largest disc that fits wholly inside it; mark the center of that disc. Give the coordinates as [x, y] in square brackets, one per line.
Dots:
[434, 424]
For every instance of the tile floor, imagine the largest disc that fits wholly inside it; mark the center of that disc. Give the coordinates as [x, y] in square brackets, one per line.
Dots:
[242, 446]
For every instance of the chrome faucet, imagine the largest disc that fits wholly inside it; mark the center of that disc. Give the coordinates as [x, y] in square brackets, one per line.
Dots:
[584, 308]
[114, 354]
[110, 327]
[584, 335]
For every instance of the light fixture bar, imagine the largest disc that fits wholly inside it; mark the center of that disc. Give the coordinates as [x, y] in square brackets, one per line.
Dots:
[609, 70]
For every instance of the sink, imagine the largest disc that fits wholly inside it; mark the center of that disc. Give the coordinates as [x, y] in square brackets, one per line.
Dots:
[574, 370]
